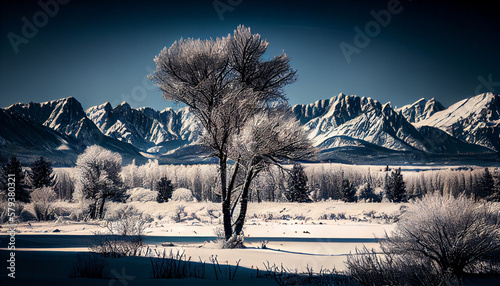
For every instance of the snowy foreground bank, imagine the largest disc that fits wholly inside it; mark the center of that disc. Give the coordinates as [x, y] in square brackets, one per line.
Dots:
[301, 238]
[297, 236]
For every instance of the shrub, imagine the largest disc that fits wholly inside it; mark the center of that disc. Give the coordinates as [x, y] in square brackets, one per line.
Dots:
[179, 214]
[182, 194]
[454, 234]
[26, 215]
[88, 265]
[43, 199]
[175, 266]
[124, 234]
[438, 237]
[141, 195]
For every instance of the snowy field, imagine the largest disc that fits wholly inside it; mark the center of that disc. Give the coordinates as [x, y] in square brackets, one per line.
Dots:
[316, 235]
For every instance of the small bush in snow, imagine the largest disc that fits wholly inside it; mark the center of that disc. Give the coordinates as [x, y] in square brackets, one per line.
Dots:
[43, 199]
[141, 195]
[26, 215]
[179, 214]
[126, 221]
[443, 237]
[182, 194]
[124, 237]
[88, 265]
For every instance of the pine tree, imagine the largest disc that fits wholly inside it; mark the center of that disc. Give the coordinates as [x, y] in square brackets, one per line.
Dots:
[368, 194]
[396, 187]
[41, 173]
[485, 185]
[165, 190]
[297, 185]
[496, 192]
[348, 191]
[14, 170]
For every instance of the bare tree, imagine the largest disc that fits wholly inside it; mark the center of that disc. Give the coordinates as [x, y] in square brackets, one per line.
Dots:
[225, 82]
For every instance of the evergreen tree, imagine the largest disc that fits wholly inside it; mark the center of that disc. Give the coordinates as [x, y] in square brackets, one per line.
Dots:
[367, 193]
[14, 170]
[3, 182]
[396, 187]
[485, 185]
[496, 192]
[41, 173]
[165, 190]
[297, 185]
[348, 191]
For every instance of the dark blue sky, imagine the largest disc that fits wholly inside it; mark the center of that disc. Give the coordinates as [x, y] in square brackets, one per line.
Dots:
[100, 52]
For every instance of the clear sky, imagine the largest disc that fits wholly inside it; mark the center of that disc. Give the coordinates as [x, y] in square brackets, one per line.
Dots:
[100, 52]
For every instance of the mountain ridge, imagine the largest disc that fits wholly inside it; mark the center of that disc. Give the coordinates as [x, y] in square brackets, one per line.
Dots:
[343, 123]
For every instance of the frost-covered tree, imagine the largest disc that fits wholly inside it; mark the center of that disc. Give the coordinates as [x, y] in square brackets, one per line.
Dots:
[13, 174]
[64, 185]
[268, 139]
[100, 180]
[41, 173]
[225, 82]
[396, 187]
[298, 190]
[164, 188]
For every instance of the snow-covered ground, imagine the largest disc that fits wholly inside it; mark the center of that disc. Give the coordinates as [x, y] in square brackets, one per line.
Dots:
[318, 235]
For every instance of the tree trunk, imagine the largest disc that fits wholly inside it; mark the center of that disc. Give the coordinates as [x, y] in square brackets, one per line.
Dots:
[100, 208]
[238, 227]
[226, 198]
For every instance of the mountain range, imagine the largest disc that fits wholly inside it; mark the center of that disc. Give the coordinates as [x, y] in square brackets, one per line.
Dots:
[345, 128]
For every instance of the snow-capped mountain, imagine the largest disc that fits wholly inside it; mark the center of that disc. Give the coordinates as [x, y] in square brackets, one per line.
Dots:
[351, 120]
[145, 128]
[64, 119]
[346, 128]
[65, 116]
[475, 120]
[420, 110]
